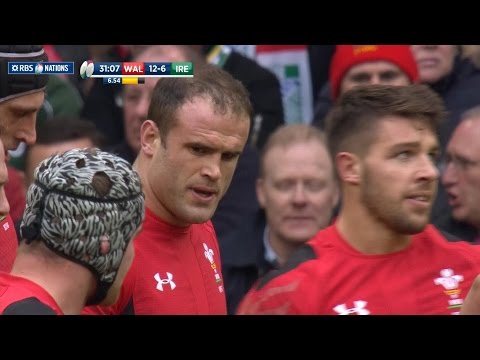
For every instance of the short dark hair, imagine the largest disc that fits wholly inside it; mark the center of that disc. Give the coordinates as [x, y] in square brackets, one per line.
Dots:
[66, 128]
[351, 123]
[209, 82]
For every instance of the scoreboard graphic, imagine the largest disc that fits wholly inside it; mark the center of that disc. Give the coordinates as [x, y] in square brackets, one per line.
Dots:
[126, 73]
[111, 73]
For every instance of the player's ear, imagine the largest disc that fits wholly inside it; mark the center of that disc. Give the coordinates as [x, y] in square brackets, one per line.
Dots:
[149, 137]
[348, 167]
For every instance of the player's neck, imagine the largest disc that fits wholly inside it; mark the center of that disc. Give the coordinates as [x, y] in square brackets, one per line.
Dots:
[68, 287]
[152, 202]
[367, 234]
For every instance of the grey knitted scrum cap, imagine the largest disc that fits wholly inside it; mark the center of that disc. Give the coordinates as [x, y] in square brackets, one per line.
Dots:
[77, 221]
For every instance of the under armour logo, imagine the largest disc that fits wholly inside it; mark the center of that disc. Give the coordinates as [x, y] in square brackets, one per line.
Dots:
[161, 282]
[208, 253]
[359, 308]
[448, 280]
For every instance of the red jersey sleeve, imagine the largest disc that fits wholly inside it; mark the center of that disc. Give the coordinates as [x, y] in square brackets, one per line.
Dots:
[283, 295]
[8, 244]
[284, 291]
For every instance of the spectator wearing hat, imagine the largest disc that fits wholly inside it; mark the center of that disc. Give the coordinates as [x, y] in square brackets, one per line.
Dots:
[83, 210]
[21, 97]
[354, 65]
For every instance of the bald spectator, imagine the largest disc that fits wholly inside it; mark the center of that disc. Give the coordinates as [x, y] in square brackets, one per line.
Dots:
[297, 192]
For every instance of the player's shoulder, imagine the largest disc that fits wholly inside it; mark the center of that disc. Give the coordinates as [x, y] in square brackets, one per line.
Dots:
[206, 226]
[28, 306]
[442, 237]
[450, 243]
[436, 231]
[285, 290]
[205, 231]
[311, 259]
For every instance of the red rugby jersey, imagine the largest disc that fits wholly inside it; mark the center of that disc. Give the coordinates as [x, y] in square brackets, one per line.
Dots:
[8, 244]
[328, 276]
[17, 293]
[176, 270]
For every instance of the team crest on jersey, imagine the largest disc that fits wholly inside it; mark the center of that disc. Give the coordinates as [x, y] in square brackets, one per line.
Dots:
[209, 256]
[359, 308]
[451, 287]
